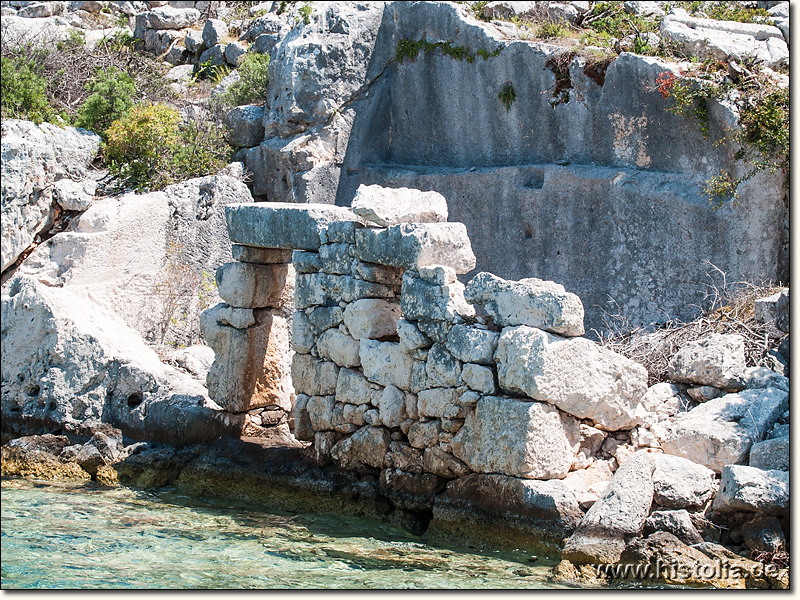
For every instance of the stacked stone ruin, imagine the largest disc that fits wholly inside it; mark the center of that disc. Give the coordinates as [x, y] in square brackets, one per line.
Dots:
[397, 365]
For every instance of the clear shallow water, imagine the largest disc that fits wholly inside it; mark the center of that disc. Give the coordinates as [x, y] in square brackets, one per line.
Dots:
[57, 535]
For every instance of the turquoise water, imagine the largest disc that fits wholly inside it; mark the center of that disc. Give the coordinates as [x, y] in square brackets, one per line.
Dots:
[57, 535]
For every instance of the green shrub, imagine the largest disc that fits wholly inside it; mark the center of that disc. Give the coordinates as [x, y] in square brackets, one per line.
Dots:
[151, 147]
[23, 91]
[253, 83]
[112, 95]
[507, 95]
[140, 144]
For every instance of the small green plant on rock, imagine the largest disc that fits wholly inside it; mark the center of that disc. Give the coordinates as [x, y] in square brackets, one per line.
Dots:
[253, 81]
[507, 95]
[305, 12]
[112, 95]
[24, 91]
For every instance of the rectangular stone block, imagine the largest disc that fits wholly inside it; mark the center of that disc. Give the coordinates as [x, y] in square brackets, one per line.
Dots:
[472, 345]
[248, 285]
[420, 300]
[283, 224]
[323, 289]
[251, 366]
[261, 256]
[336, 258]
[390, 206]
[435, 402]
[385, 363]
[415, 245]
[313, 376]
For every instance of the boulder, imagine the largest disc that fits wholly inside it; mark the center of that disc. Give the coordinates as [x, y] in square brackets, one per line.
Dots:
[249, 285]
[339, 347]
[251, 368]
[717, 360]
[366, 447]
[575, 374]
[371, 318]
[72, 364]
[193, 41]
[245, 126]
[215, 57]
[385, 363]
[589, 484]
[679, 483]
[34, 158]
[421, 300]
[389, 206]
[214, 32]
[771, 454]
[74, 195]
[764, 534]
[265, 24]
[283, 225]
[660, 402]
[676, 522]
[532, 440]
[616, 517]
[533, 302]
[264, 43]
[721, 431]
[472, 345]
[415, 245]
[166, 17]
[750, 489]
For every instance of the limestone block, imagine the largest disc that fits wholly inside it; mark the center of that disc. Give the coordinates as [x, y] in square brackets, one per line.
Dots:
[721, 431]
[424, 435]
[167, 17]
[442, 369]
[415, 245]
[441, 463]
[404, 457]
[680, 483]
[717, 360]
[390, 206]
[385, 363]
[764, 534]
[472, 345]
[619, 513]
[420, 300]
[251, 367]
[533, 302]
[551, 502]
[248, 285]
[336, 258]
[214, 32]
[744, 488]
[320, 412]
[313, 376]
[325, 317]
[244, 123]
[341, 232]
[575, 374]
[323, 442]
[377, 273]
[193, 40]
[367, 446]
[762, 377]
[214, 57]
[339, 347]
[391, 406]
[354, 414]
[306, 262]
[302, 333]
[659, 402]
[411, 338]
[704, 393]
[234, 52]
[771, 454]
[74, 195]
[240, 318]
[676, 522]
[412, 409]
[323, 289]
[532, 440]
[265, 24]
[589, 484]
[261, 256]
[282, 224]
[371, 318]
[478, 378]
[435, 402]
[353, 387]
[303, 429]
[436, 330]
